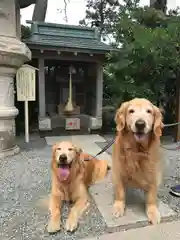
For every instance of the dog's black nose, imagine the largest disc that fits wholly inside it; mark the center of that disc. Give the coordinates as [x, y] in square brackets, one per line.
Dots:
[63, 158]
[140, 124]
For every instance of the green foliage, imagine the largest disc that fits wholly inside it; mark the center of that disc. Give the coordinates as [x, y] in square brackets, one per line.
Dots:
[160, 4]
[148, 57]
[25, 32]
[146, 62]
[102, 14]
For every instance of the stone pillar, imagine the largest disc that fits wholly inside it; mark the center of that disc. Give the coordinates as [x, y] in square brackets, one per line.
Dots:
[44, 121]
[42, 98]
[13, 53]
[96, 122]
[99, 90]
[18, 22]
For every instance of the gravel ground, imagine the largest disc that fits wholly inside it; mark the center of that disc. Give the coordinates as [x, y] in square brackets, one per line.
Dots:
[24, 180]
[36, 142]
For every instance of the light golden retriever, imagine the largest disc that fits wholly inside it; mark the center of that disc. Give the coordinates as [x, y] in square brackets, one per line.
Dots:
[71, 176]
[136, 157]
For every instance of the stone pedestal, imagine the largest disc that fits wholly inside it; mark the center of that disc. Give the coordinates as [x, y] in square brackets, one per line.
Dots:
[95, 123]
[13, 53]
[61, 109]
[45, 124]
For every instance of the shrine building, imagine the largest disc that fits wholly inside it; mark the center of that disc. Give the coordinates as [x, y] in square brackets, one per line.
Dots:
[70, 62]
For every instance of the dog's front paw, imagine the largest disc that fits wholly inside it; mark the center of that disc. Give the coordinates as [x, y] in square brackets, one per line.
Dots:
[153, 214]
[71, 224]
[54, 226]
[118, 209]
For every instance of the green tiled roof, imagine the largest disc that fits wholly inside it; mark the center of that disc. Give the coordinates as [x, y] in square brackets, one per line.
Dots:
[67, 37]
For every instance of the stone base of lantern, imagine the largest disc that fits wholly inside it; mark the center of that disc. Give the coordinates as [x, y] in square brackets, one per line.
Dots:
[13, 53]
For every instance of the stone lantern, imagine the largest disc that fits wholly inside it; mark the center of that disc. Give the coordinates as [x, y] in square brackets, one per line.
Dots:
[13, 53]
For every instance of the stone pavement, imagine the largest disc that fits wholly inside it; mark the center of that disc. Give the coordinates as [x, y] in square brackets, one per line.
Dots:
[86, 142]
[25, 178]
[102, 192]
[165, 231]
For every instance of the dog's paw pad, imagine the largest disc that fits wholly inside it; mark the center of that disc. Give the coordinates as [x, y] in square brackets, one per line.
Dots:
[153, 215]
[71, 225]
[54, 227]
[118, 209]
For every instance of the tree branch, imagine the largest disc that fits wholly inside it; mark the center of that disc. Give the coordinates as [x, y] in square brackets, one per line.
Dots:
[65, 10]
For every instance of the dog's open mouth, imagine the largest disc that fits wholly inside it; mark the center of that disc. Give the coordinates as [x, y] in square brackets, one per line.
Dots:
[140, 136]
[63, 171]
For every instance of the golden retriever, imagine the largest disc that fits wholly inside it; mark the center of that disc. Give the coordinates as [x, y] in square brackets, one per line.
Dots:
[136, 157]
[71, 176]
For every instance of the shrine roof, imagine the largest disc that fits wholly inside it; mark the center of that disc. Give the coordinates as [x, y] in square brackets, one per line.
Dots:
[66, 37]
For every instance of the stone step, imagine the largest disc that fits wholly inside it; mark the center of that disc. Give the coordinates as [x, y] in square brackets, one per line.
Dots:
[92, 138]
[102, 192]
[164, 231]
[134, 216]
[86, 142]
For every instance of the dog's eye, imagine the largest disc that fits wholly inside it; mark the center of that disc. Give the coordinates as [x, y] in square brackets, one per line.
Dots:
[59, 148]
[131, 111]
[149, 111]
[70, 149]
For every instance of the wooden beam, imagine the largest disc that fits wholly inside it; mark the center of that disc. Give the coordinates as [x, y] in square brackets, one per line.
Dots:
[78, 58]
[68, 50]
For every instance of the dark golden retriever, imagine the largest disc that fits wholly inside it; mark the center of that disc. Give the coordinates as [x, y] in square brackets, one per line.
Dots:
[136, 157]
[71, 176]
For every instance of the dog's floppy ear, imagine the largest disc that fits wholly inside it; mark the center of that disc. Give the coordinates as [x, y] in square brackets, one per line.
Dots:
[78, 149]
[120, 117]
[158, 124]
[78, 164]
[54, 147]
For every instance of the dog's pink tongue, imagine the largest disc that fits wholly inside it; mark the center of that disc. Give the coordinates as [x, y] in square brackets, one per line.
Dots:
[140, 137]
[63, 173]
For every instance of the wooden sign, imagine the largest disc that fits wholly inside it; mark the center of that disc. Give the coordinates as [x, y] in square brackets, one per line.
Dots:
[26, 91]
[26, 83]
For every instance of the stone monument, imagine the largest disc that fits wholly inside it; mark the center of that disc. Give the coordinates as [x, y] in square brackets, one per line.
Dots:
[13, 53]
